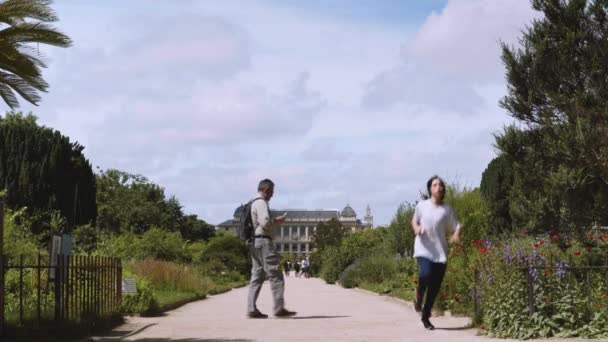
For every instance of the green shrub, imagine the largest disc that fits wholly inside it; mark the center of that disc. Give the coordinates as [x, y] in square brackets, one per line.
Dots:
[143, 303]
[225, 253]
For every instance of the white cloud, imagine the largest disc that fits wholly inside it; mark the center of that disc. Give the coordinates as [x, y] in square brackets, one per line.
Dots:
[454, 51]
[231, 93]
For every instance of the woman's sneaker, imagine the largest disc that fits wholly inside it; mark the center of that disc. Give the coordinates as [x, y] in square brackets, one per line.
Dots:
[427, 324]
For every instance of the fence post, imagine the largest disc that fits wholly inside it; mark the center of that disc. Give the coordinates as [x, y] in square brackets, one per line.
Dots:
[1, 268]
[476, 307]
[530, 290]
[588, 284]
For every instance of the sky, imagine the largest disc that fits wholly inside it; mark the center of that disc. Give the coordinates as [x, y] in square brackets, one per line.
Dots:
[338, 102]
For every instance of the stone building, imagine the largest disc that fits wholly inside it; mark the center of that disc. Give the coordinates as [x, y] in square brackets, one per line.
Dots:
[295, 234]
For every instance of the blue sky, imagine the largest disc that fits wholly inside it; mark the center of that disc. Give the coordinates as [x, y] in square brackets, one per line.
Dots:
[339, 104]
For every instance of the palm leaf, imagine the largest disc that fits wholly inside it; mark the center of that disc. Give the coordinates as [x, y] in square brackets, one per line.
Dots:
[8, 96]
[14, 11]
[34, 33]
[21, 87]
[20, 64]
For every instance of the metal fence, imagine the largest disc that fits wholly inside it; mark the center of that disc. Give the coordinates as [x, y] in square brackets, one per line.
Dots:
[37, 292]
[585, 276]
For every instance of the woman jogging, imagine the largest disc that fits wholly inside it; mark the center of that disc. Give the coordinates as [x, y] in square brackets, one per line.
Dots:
[431, 222]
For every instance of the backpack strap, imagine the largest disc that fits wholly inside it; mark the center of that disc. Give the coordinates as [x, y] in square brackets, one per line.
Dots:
[255, 199]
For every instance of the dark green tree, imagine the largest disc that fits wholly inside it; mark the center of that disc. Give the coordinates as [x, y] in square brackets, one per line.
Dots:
[496, 183]
[328, 233]
[42, 170]
[557, 91]
[129, 202]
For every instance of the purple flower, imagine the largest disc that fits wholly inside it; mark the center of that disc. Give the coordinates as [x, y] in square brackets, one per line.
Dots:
[561, 268]
[474, 293]
[507, 257]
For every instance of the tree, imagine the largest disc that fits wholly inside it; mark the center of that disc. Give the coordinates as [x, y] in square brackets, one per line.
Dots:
[42, 170]
[399, 233]
[496, 183]
[557, 90]
[24, 22]
[129, 202]
[328, 233]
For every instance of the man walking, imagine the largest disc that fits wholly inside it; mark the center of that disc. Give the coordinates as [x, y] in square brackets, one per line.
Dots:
[264, 256]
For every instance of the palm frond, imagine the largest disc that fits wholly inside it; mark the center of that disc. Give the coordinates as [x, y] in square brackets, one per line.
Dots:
[8, 96]
[15, 11]
[22, 87]
[42, 33]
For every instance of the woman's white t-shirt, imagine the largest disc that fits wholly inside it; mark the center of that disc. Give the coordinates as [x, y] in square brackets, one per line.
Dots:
[437, 221]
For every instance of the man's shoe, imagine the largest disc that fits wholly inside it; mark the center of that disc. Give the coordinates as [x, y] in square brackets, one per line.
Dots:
[284, 313]
[256, 314]
[427, 324]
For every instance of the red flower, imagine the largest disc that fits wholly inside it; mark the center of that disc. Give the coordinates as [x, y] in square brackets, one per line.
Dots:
[542, 242]
[536, 245]
[552, 234]
[548, 272]
[522, 232]
[577, 253]
[547, 299]
[598, 227]
[605, 236]
[483, 251]
[589, 249]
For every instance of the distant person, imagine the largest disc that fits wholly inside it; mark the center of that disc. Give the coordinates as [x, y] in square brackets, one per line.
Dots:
[286, 267]
[296, 267]
[431, 222]
[305, 267]
[264, 256]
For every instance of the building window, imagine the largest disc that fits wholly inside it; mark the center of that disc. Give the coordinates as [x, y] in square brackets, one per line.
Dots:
[302, 232]
[302, 247]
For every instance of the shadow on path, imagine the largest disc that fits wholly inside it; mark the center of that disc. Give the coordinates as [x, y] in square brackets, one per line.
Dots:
[466, 327]
[190, 340]
[317, 317]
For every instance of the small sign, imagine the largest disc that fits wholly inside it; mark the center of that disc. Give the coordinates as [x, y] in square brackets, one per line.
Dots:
[128, 286]
[66, 244]
[55, 249]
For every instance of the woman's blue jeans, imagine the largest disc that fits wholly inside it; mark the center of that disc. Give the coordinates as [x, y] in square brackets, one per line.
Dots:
[430, 276]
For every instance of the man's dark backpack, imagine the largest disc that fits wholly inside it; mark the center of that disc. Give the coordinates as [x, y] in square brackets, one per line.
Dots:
[245, 227]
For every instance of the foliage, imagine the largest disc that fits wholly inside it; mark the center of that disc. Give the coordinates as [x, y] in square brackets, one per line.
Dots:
[43, 171]
[327, 234]
[558, 148]
[226, 253]
[496, 183]
[399, 234]
[132, 203]
[470, 211]
[24, 22]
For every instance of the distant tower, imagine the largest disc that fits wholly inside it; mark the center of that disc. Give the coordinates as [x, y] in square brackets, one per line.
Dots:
[368, 220]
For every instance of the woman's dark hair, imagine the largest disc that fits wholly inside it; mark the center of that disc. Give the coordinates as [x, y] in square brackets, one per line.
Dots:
[430, 182]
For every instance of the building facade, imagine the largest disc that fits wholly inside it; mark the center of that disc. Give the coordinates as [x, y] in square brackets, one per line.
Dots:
[294, 236]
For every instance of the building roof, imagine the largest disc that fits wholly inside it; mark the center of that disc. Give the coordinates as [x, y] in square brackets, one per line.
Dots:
[306, 214]
[348, 212]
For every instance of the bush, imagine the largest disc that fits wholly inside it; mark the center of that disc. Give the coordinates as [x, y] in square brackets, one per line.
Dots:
[143, 303]
[225, 253]
[373, 269]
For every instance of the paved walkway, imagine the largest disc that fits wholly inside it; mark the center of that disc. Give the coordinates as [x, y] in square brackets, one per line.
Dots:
[325, 313]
